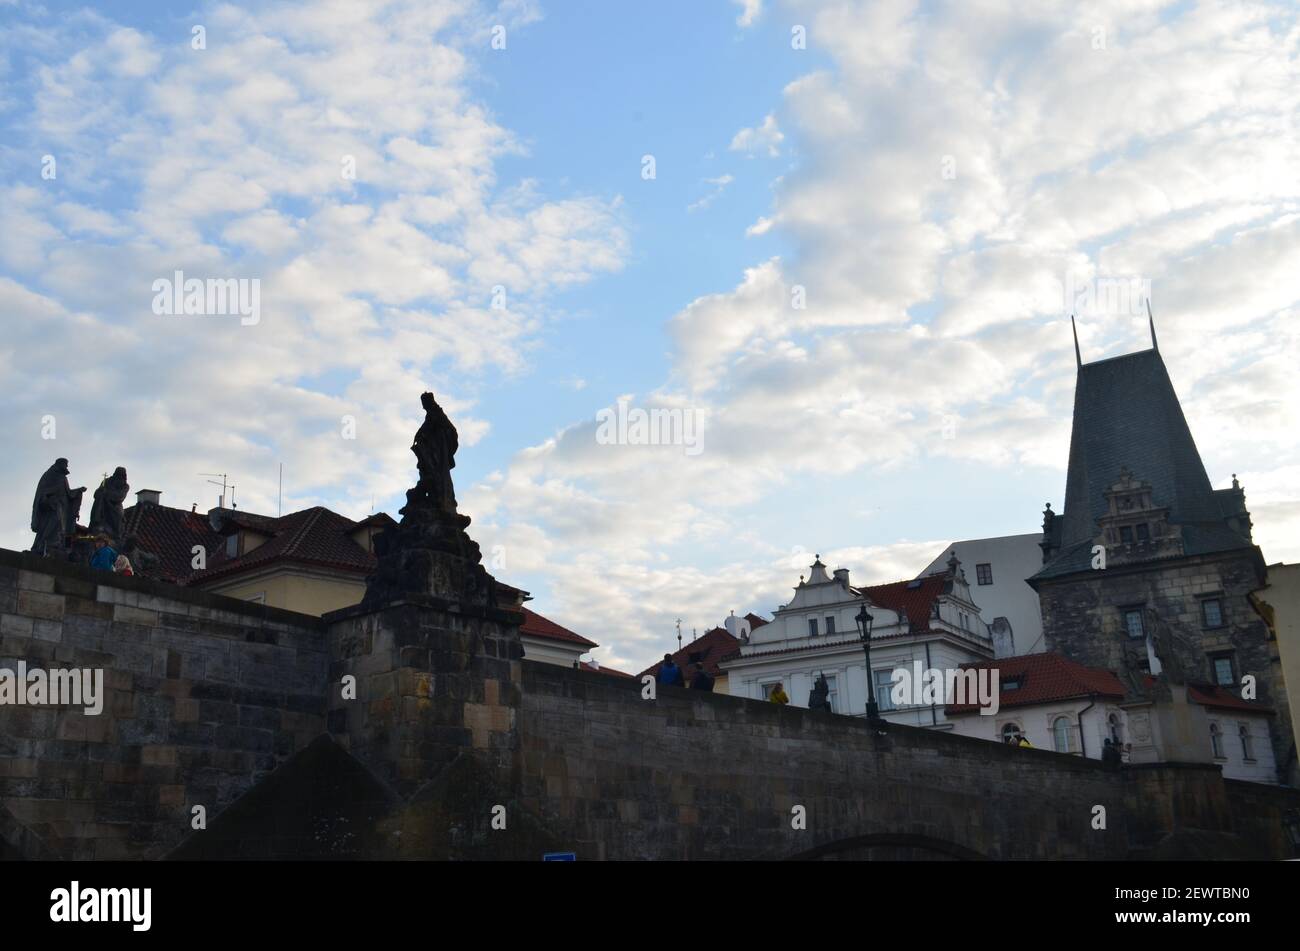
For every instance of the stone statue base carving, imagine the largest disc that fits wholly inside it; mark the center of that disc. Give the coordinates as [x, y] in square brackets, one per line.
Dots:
[429, 554]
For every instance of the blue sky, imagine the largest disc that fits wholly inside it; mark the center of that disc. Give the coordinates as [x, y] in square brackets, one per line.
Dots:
[925, 177]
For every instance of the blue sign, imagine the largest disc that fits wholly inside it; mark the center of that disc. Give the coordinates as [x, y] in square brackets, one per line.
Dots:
[560, 857]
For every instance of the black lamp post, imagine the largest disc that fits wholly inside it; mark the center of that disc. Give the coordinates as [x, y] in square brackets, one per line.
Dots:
[864, 633]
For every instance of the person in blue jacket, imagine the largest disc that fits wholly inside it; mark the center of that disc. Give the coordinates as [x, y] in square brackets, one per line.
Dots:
[670, 674]
[105, 555]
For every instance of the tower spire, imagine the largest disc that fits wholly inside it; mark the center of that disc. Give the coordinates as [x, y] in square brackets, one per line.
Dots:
[1152, 320]
[1078, 358]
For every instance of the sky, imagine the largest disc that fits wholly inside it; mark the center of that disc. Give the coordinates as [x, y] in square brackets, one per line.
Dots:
[837, 244]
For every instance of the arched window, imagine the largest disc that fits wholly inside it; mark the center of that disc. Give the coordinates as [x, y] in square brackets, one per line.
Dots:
[1061, 734]
[1216, 741]
[1116, 730]
[1009, 731]
[1243, 732]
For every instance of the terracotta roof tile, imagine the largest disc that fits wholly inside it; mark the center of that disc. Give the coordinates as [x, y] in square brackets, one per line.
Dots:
[1210, 695]
[539, 626]
[1044, 678]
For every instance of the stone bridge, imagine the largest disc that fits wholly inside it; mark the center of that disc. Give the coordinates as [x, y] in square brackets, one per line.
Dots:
[456, 747]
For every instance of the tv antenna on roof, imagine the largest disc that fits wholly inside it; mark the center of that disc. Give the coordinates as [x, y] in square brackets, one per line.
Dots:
[224, 485]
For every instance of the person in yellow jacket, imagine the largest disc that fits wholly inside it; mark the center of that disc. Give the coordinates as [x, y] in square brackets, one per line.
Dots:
[779, 695]
[1024, 743]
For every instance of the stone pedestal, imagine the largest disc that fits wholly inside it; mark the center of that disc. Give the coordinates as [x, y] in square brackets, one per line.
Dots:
[1169, 729]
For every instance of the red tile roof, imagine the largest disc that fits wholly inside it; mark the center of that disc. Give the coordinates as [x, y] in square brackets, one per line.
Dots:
[539, 626]
[711, 647]
[914, 597]
[314, 536]
[1044, 678]
[1210, 695]
[171, 534]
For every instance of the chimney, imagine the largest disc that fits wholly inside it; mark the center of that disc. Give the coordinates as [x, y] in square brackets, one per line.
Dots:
[842, 576]
[148, 497]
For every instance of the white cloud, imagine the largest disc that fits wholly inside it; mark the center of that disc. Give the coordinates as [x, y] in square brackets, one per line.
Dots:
[750, 11]
[765, 137]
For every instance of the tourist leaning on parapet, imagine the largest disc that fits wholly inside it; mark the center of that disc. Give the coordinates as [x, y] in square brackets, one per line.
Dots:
[779, 695]
[105, 555]
[701, 680]
[122, 566]
[670, 675]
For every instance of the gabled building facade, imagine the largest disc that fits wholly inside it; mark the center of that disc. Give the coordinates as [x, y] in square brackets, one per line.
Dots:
[1148, 570]
[930, 620]
[999, 568]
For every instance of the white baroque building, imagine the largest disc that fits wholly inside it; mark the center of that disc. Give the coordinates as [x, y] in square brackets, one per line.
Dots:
[931, 620]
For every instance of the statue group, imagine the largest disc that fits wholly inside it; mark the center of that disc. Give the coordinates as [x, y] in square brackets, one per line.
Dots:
[56, 509]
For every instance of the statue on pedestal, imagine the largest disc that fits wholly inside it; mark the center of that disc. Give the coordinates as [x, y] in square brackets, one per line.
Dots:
[55, 510]
[819, 698]
[106, 512]
[429, 553]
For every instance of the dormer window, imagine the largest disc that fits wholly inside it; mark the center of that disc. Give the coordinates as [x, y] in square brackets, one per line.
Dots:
[1143, 532]
[1013, 683]
[232, 545]
[1126, 534]
[812, 627]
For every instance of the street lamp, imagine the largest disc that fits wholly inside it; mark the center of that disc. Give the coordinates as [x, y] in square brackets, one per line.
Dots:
[864, 633]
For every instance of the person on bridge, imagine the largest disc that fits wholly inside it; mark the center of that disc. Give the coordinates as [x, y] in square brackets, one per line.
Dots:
[670, 675]
[1022, 742]
[779, 695]
[701, 680]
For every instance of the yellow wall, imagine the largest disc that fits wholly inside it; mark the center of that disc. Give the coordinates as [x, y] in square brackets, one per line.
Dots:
[295, 591]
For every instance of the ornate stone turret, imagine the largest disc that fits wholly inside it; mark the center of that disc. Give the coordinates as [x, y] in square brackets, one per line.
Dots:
[429, 554]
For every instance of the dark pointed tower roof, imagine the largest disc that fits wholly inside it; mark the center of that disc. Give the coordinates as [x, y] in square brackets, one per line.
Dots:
[1127, 415]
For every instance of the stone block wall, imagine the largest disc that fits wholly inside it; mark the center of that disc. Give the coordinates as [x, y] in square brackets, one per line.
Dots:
[433, 680]
[695, 776]
[204, 697]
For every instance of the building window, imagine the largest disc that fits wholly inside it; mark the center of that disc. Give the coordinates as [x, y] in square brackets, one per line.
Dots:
[769, 689]
[1143, 533]
[1212, 612]
[1061, 734]
[1126, 534]
[1216, 741]
[232, 545]
[934, 609]
[812, 627]
[1009, 732]
[1223, 674]
[830, 626]
[1116, 730]
[1134, 624]
[885, 689]
[984, 574]
[1247, 753]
